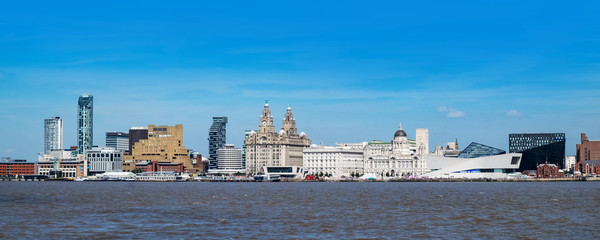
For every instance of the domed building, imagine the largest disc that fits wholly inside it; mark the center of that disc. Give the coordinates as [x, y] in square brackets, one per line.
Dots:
[396, 158]
[268, 148]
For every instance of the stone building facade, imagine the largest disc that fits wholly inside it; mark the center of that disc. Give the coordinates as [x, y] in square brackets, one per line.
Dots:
[396, 158]
[163, 144]
[267, 148]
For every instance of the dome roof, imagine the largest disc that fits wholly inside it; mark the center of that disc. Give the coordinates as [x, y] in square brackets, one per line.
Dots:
[400, 132]
[282, 132]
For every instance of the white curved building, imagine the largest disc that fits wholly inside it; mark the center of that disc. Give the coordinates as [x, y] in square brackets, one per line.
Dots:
[496, 166]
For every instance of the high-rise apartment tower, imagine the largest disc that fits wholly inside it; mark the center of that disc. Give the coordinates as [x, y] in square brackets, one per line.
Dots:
[53, 134]
[216, 140]
[85, 123]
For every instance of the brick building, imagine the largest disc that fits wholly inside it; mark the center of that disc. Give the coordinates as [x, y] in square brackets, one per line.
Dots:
[588, 167]
[548, 171]
[156, 166]
[17, 167]
[587, 150]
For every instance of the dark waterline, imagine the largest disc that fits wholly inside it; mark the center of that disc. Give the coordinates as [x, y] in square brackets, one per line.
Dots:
[499, 210]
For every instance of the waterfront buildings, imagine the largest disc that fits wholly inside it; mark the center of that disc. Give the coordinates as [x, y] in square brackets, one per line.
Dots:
[85, 123]
[491, 166]
[163, 144]
[156, 166]
[547, 170]
[395, 158]
[100, 160]
[230, 158]
[587, 150]
[135, 135]
[53, 134]
[588, 167]
[118, 141]
[62, 168]
[538, 148]
[475, 150]
[267, 148]
[343, 160]
[217, 137]
[62, 163]
[17, 167]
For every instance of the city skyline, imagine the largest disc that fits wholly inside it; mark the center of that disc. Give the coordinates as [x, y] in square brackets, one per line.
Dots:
[470, 71]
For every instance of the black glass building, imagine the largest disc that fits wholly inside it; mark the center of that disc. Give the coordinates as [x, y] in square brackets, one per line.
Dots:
[538, 148]
[216, 140]
[475, 150]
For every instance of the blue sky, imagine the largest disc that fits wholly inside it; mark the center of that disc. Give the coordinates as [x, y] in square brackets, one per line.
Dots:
[351, 71]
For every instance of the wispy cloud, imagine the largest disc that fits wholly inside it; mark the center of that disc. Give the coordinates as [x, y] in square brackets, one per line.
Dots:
[451, 112]
[514, 113]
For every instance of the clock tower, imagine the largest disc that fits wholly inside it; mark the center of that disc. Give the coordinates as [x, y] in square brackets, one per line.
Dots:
[266, 121]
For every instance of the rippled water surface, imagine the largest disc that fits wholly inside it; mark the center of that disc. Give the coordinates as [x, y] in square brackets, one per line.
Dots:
[525, 210]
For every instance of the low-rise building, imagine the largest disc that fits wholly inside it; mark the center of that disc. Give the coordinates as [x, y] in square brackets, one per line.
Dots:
[59, 168]
[102, 160]
[492, 166]
[548, 171]
[16, 167]
[588, 167]
[343, 160]
[155, 166]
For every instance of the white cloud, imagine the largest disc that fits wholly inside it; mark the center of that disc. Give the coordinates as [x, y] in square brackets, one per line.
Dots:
[451, 112]
[514, 113]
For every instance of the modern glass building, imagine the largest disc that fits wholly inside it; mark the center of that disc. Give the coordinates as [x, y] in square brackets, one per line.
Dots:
[475, 150]
[246, 134]
[85, 123]
[216, 140]
[117, 140]
[538, 148]
[53, 134]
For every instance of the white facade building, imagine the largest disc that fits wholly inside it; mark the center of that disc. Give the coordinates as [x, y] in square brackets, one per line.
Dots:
[53, 134]
[570, 162]
[496, 166]
[341, 160]
[400, 157]
[102, 160]
[229, 158]
[117, 140]
[422, 141]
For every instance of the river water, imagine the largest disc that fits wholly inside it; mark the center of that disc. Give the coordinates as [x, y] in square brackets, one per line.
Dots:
[319, 210]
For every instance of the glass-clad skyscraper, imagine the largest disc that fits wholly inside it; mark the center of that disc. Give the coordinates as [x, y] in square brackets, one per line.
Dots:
[216, 140]
[53, 134]
[85, 123]
[538, 148]
[475, 150]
